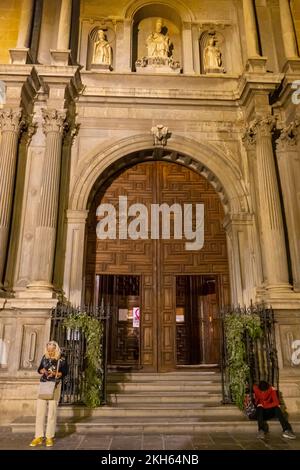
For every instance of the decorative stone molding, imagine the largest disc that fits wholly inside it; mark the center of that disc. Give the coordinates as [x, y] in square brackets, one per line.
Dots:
[71, 132]
[289, 136]
[160, 134]
[30, 128]
[54, 121]
[213, 25]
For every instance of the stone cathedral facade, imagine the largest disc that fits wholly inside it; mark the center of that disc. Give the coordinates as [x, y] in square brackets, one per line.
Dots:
[151, 100]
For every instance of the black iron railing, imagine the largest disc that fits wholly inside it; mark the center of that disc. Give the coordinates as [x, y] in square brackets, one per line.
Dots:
[261, 354]
[73, 345]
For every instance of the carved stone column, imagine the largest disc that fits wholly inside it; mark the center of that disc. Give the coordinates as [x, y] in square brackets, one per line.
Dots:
[272, 232]
[187, 48]
[11, 124]
[19, 55]
[255, 62]
[60, 55]
[288, 31]
[45, 234]
[288, 163]
[250, 28]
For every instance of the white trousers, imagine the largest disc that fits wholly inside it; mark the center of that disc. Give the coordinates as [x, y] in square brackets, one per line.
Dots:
[41, 411]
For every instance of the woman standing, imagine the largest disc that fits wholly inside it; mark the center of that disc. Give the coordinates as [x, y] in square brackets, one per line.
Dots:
[53, 367]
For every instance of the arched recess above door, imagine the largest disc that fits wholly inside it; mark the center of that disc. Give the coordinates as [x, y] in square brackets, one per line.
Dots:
[202, 157]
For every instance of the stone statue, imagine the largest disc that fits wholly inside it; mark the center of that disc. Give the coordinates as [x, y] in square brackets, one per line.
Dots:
[158, 44]
[102, 50]
[212, 57]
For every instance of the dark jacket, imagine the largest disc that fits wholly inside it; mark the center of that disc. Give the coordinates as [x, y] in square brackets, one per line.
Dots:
[52, 364]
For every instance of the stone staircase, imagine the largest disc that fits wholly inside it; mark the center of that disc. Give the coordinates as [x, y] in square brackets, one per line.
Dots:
[165, 403]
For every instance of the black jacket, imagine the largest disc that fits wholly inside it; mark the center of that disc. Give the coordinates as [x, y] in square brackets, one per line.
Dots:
[52, 364]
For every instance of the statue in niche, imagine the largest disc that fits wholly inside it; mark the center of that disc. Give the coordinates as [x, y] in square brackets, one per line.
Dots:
[102, 51]
[158, 44]
[212, 57]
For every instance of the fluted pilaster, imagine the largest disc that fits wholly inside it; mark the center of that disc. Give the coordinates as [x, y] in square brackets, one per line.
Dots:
[259, 133]
[54, 126]
[11, 124]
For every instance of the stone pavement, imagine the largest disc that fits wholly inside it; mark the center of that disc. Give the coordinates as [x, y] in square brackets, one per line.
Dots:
[205, 441]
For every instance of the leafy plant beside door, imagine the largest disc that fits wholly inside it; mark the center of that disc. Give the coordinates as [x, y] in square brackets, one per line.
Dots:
[237, 326]
[92, 329]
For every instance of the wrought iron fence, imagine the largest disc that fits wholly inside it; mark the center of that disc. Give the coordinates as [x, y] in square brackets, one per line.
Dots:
[73, 346]
[261, 353]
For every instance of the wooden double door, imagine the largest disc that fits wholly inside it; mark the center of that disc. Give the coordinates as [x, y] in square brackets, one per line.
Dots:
[175, 292]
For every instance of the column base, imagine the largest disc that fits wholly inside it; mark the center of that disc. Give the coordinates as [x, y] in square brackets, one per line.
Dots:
[20, 56]
[282, 297]
[38, 289]
[256, 64]
[60, 57]
[292, 65]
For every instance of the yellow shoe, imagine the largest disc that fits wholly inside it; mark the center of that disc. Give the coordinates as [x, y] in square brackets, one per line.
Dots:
[37, 441]
[49, 442]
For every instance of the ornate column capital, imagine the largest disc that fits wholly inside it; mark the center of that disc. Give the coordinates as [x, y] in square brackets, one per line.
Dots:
[30, 128]
[288, 138]
[266, 126]
[249, 136]
[11, 120]
[71, 132]
[54, 121]
[262, 127]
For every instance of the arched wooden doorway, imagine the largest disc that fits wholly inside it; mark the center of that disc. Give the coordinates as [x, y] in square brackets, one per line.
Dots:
[177, 291]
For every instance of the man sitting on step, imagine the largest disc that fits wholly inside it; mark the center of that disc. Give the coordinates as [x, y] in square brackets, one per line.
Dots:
[268, 407]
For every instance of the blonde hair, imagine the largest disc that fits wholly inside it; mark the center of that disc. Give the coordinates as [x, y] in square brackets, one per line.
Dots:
[57, 351]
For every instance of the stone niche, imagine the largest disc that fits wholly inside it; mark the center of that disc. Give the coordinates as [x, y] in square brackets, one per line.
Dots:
[212, 52]
[101, 58]
[157, 40]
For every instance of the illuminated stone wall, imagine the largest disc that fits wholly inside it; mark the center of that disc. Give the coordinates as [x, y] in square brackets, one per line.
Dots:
[9, 19]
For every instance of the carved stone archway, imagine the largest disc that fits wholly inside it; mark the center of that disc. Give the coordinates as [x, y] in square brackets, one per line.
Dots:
[208, 160]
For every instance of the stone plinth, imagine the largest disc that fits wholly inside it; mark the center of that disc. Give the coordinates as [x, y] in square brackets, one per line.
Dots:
[158, 65]
[60, 57]
[20, 56]
[101, 68]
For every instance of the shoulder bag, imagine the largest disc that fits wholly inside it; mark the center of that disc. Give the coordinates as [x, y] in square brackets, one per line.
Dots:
[47, 389]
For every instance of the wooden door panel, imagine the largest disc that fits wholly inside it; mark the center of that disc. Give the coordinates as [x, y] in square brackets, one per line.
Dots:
[158, 262]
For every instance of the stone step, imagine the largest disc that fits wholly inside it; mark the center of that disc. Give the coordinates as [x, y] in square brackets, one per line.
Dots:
[158, 410]
[167, 397]
[164, 386]
[138, 425]
[168, 376]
